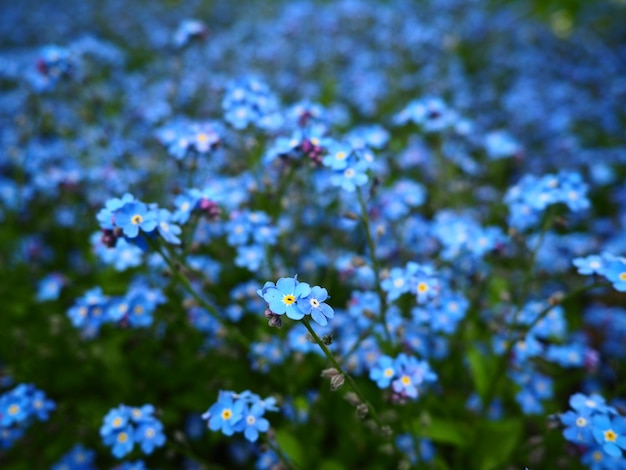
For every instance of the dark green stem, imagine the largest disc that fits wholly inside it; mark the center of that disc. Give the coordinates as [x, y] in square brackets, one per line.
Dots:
[337, 366]
[184, 280]
[375, 266]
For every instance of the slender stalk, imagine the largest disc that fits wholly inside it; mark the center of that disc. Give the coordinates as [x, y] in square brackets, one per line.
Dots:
[510, 343]
[375, 266]
[184, 280]
[281, 455]
[556, 302]
[336, 365]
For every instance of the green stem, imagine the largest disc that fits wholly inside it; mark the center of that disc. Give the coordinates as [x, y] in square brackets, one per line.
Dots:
[502, 363]
[375, 266]
[337, 366]
[184, 280]
[281, 455]
[556, 302]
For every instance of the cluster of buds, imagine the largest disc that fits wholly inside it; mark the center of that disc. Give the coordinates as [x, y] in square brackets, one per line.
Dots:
[209, 208]
[337, 379]
[311, 149]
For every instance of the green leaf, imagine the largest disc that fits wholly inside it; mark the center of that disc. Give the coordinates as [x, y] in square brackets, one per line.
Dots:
[290, 446]
[447, 432]
[481, 367]
[331, 465]
[495, 442]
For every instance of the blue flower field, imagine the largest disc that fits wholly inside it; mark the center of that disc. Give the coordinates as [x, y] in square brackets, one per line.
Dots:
[324, 235]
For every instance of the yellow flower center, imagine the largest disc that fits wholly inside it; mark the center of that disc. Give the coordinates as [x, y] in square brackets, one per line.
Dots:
[150, 433]
[136, 219]
[117, 422]
[422, 287]
[227, 414]
[341, 155]
[203, 138]
[622, 276]
[399, 282]
[14, 409]
[406, 380]
[288, 299]
[138, 310]
[610, 435]
[122, 437]
[388, 372]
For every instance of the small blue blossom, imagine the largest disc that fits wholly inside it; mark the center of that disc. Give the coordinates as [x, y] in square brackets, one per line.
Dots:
[239, 412]
[283, 297]
[77, 458]
[383, 372]
[125, 426]
[134, 216]
[253, 422]
[314, 305]
[610, 433]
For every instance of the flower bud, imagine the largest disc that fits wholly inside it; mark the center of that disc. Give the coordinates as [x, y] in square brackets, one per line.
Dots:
[336, 382]
[329, 373]
[352, 398]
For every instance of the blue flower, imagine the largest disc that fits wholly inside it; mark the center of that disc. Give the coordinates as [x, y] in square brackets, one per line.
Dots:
[77, 458]
[610, 434]
[115, 420]
[167, 230]
[224, 414]
[338, 156]
[592, 264]
[577, 427]
[149, 435]
[615, 271]
[351, 176]
[396, 284]
[314, 305]
[142, 414]
[253, 422]
[134, 216]
[125, 426]
[410, 374]
[50, 286]
[283, 298]
[383, 372]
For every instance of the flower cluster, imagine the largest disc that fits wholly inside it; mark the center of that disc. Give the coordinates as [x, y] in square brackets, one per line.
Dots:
[53, 64]
[405, 374]
[598, 427]
[134, 309]
[19, 407]
[297, 299]
[182, 138]
[417, 279]
[240, 412]
[607, 265]
[530, 197]
[250, 101]
[349, 166]
[77, 458]
[132, 219]
[430, 113]
[125, 426]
